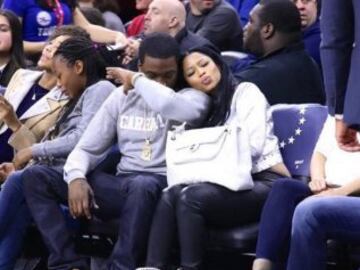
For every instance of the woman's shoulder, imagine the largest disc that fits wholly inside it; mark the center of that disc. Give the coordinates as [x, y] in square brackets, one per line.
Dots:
[102, 85]
[26, 72]
[21, 76]
[99, 90]
[248, 90]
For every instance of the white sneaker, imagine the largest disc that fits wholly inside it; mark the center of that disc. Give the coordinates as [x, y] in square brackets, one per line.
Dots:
[147, 268]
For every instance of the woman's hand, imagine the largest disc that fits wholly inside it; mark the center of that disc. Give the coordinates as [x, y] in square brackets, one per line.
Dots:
[6, 169]
[131, 51]
[22, 157]
[121, 75]
[8, 115]
[333, 192]
[317, 185]
[121, 41]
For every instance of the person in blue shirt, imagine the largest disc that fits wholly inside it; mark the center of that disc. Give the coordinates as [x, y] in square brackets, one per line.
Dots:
[243, 8]
[41, 17]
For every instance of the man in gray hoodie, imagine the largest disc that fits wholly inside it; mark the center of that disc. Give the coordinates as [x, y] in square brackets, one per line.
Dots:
[139, 122]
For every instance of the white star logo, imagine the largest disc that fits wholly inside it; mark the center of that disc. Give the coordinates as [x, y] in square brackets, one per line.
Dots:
[291, 140]
[302, 110]
[302, 120]
[282, 144]
[298, 132]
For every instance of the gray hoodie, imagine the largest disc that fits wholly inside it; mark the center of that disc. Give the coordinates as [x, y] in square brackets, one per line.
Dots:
[55, 151]
[145, 114]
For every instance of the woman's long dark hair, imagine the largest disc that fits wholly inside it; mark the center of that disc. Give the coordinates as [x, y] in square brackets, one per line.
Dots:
[222, 95]
[16, 53]
[80, 48]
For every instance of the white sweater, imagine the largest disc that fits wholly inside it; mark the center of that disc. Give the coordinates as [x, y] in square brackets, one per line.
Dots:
[252, 111]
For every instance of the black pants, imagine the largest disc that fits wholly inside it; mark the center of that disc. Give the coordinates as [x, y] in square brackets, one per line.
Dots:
[189, 209]
[131, 197]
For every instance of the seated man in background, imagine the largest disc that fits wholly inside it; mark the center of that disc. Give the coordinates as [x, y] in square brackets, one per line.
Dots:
[310, 24]
[166, 16]
[217, 21]
[284, 71]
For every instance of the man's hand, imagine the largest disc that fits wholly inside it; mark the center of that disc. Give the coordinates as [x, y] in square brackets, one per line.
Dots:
[22, 157]
[121, 75]
[8, 115]
[346, 137]
[317, 185]
[6, 169]
[81, 198]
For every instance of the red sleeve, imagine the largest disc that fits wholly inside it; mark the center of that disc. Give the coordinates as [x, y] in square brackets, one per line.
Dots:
[136, 26]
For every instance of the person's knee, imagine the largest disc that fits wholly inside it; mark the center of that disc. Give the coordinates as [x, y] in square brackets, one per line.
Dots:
[33, 178]
[289, 187]
[14, 182]
[197, 195]
[308, 213]
[145, 184]
[170, 195]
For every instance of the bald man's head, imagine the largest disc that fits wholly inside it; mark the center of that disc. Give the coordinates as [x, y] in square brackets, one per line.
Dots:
[165, 16]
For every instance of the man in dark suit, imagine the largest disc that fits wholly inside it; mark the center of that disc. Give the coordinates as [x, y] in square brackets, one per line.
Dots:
[340, 54]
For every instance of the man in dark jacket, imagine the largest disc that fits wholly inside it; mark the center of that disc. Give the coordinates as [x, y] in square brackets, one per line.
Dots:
[164, 16]
[284, 72]
[217, 21]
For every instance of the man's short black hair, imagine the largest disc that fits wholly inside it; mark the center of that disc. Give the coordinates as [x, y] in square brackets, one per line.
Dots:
[282, 14]
[159, 45]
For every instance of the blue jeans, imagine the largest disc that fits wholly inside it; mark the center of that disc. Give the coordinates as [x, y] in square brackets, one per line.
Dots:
[130, 197]
[276, 217]
[317, 219]
[14, 219]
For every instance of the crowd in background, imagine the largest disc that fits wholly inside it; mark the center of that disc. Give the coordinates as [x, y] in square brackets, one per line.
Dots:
[82, 80]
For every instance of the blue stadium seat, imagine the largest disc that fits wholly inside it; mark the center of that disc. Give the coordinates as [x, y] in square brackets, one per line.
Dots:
[298, 128]
[237, 61]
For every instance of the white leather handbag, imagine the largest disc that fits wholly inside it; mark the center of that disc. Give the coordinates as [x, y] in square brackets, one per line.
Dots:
[219, 155]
